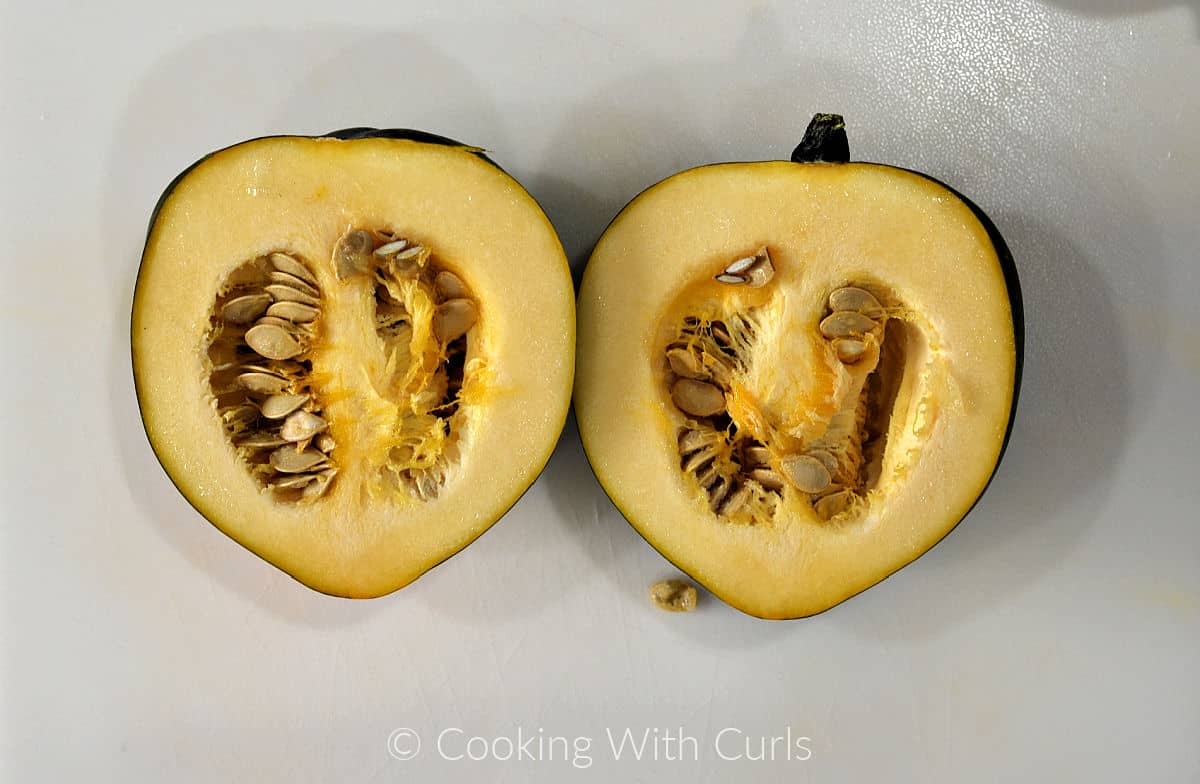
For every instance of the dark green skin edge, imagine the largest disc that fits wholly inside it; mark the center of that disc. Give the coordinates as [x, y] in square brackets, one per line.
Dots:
[825, 142]
[344, 134]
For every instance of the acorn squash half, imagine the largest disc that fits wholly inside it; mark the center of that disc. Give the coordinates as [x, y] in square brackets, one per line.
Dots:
[795, 377]
[352, 353]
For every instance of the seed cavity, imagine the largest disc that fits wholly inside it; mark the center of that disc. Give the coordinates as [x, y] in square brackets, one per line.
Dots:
[737, 453]
[264, 317]
[425, 316]
[266, 332]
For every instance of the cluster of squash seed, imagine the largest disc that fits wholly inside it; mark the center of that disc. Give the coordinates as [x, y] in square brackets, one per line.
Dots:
[264, 320]
[744, 478]
[702, 361]
[833, 474]
[423, 313]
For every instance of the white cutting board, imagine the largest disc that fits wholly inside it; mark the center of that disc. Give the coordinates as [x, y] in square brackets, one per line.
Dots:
[1052, 637]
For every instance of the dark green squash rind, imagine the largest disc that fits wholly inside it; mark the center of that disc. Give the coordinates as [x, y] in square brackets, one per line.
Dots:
[822, 139]
[345, 134]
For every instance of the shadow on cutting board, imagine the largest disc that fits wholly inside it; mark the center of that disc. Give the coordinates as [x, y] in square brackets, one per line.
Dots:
[1109, 8]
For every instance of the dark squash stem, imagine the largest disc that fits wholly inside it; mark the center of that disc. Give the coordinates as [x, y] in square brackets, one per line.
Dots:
[824, 141]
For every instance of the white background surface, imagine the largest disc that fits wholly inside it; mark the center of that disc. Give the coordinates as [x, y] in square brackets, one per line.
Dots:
[1052, 637]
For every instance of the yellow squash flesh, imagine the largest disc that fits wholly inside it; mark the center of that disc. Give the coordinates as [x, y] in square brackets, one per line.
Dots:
[302, 194]
[826, 225]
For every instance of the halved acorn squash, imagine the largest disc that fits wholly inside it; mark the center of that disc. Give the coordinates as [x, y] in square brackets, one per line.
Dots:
[795, 377]
[352, 353]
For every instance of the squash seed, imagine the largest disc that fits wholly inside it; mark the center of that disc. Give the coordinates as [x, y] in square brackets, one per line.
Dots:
[288, 279]
[352, 254]
[261, 440]
[849, 350]
[244, 309]
[273, 342]
[685, 363]
[854, 298]
[756, 270]
[832, 505]
[735, 500]
[691, 440]
[262, 383]
[279, 406]
[412, 253]
[846, 323]
[289, 460]
[401, 269]
[391, 248]
[290, 327]
[740, 266]
[453, 318]
[761, 271]
[283, 293]
[301, 425]
[709, 475]
[697, 398]
[293, 311]
[674, 595]
[283, 369]
[698, 458]
[826, 458]
[718, 370]
[325, 443]
[718, 491]
[756, 455]
[807, 473]
[449, 286]
[320, 486]
[241, 415]
[292, 266]
[292, 481]
[767, 478]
